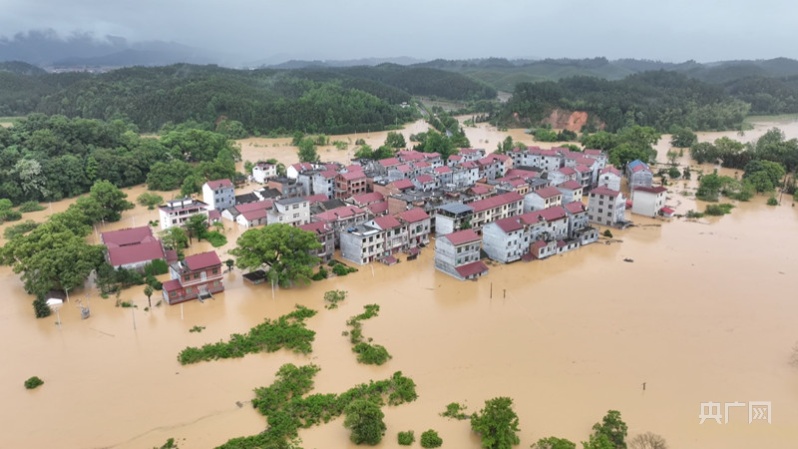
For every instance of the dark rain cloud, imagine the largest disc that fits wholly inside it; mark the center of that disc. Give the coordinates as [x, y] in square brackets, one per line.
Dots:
[673, 30]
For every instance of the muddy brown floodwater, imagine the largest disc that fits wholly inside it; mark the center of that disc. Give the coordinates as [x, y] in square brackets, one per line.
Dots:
[706, 312]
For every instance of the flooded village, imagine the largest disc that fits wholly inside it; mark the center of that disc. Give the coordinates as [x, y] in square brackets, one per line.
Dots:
[664, 315]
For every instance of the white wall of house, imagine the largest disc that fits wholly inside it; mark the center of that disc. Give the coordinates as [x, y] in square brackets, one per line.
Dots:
[642, 178]
[219, 199]
[647, 203]
[606, 210]
[363, 245]
[262, 171]
[533, 201]
[501, 246]
[610, 181]
[449, 256]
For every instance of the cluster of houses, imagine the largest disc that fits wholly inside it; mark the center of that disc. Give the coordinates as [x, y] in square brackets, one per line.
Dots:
[529, 204]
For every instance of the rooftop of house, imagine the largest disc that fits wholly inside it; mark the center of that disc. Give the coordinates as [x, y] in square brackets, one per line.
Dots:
[425, 179]
[509, 224]
[127, 236]
[319, 227]
[255, 214]
[442, 170]
[267, 193]
[387, 222]
[604, 191]
[462, 237]
[567, 171]
[302, 166]
[495, 201]
[256, 205]
[219, 183]
[202, 260]
[368, 198]
[481, 189]
[471, 269]
[317, 198]
[570, 185]
[611, 169]
[402, 184]
[456, 208]
[245, 198]
[289, 201]
[378, 208]
[340, 213]
[593, 152]
[553, 213]
[328, 174]
[389, 162]
[575, 207]
[182, 204]
[547, 192]
[654, 189]
[353, 175]
[413, 215]
[410, 155]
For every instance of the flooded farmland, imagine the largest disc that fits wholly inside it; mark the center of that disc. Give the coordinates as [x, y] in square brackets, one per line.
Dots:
[706, 312]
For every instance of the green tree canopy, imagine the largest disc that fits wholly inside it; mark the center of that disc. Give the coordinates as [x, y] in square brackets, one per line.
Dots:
[497, 424]
[554, 443]
[395, 140]
[764, 175]
[285, 249]
[112, 200]
[613, 428]
[307, 150]
[365, 419]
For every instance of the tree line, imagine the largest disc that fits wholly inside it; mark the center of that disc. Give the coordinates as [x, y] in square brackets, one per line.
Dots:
[50, 158]
[658, 99]
[333, 101]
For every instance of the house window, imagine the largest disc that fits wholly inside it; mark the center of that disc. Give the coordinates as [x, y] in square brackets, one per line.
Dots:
[215, 271]
[187, 277]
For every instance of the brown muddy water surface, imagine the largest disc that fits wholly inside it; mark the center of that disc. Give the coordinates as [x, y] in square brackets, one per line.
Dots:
[706, 312]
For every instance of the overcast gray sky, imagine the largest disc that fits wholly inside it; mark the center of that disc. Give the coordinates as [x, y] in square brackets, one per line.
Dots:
[669, 30]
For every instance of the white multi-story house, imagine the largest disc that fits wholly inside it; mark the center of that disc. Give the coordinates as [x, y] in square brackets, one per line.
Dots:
[607, 207]
[639, 175]
[579, 228]
[542, 198]
[396, 237]
[326, 237]
[648, 201]
[177, 212]
[495, 208]
[262, 170]
[418, 224]
[292, 211]
[342, 218]
[571, 192]
[457, 254]
[362, 244]
[610, 177]
[219, 194]
[294, 170]
[324, 183]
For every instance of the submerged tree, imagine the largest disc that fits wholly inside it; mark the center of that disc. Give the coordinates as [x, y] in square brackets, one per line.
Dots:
[285, 249]
[497, 424]
[365, 419]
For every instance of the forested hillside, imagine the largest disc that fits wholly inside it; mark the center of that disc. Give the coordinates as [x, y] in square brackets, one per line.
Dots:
[658, 99]
[265, 101]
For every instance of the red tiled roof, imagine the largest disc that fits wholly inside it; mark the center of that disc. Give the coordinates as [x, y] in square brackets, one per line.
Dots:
[431, 155]
[404, 168]
[547, 192]
[387, 222]
[219, 183]
[328, 174]
[354, 167]
[368, 198]
[495, 201]
[471, 269]
[402, 184]
[470, 151]
[593, 152]
[536, 246]
[319, 197]
[667, 210]
[461, 237]
[570, 185]
[583, 169]
[339, 213]
[389, 162]
[422, 164]
[130, 254]
[214, 214]
[481, 189]
[171, 285]
[529, 218]
[509, 224]
[655, 189]
[353, 175]
[611, 169]
[586, 161]
[639, 167]
[319, 227]
[378, 208]
[575, 207]
[257, 205]
[202, 260]
[561, 243]
[424, 179]
[411, 155]
[442, 170]
[525, 174]
[553, 213]
[128, 236]
[455, 157]
[414, 215]
[541, 152]
[256, 214]
[606, 191]
[469, 164]
[302, 166]
[567, 171]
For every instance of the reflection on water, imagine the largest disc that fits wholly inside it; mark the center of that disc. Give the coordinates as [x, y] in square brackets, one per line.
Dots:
[706, 312]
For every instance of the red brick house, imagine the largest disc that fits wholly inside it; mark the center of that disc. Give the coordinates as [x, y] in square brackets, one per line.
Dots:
[197, 276]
